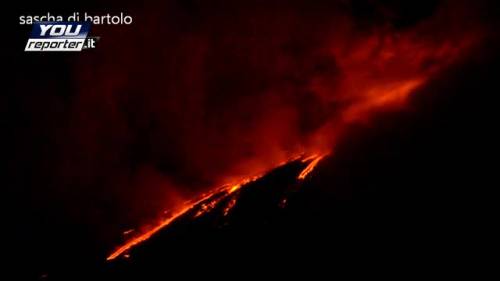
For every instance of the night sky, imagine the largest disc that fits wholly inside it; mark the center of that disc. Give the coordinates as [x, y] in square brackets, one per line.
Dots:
[195, 94]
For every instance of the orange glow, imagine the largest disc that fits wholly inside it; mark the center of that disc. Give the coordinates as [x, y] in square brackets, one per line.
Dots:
[234, 188]
[146, 235]
[205, 207]
[187, 207]
[207, 202]
[229, 206]
[374, 81]
[309, 158]
[379, 73]
[310, 167]
[382, 96]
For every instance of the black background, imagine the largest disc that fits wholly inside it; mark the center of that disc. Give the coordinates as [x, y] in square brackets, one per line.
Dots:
[412, 183]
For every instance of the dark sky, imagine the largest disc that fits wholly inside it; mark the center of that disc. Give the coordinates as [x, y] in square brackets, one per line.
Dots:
[197, 93]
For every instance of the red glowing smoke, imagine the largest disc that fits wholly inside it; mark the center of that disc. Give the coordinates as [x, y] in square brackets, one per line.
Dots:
[193, 97]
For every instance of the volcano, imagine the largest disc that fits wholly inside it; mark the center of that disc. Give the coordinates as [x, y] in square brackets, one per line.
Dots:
[215, 222]
[214, 201]
[184, 143]
[385, 190]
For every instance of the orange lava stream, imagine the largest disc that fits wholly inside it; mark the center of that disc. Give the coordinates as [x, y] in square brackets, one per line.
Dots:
[226, 191]
[148, 234]
[315, 160]
[229, 206]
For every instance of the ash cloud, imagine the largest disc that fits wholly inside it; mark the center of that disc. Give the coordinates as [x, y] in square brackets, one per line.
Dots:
[203, 93]
[196, 93]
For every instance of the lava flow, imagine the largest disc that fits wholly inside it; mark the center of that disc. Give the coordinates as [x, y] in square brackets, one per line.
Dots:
[293, 99]
[209, 201]
[314, 161]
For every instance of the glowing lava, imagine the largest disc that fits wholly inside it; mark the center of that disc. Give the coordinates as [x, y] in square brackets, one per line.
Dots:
[229, 206]
[307, 170]
[146, 235]
[209, 201]
[224, 191]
